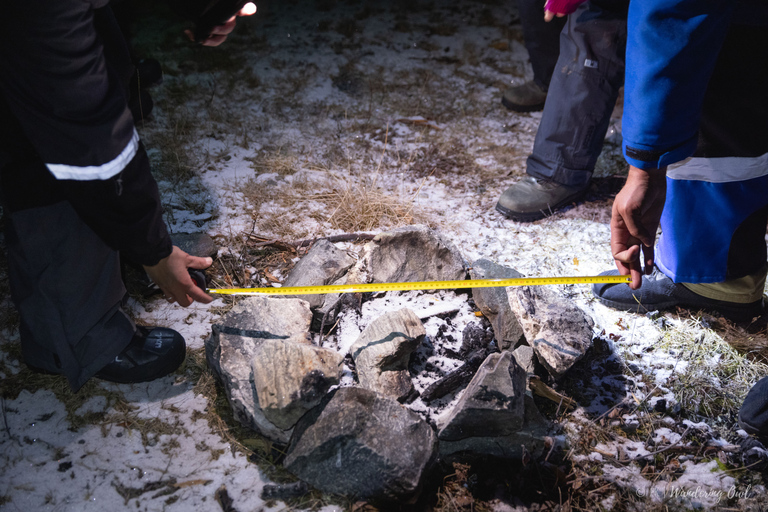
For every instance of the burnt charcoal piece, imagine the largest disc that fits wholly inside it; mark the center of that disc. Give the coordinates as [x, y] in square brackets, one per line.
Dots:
[284, 491]
[475, 336]
[457, 378]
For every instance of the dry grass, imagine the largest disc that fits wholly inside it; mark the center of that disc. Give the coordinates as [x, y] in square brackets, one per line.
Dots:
[359, 208]
[277, 160]
[714, 376]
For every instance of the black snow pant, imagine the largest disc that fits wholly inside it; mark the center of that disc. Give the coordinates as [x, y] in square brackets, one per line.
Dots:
[542, 40]
[582, 94]
[67, 287]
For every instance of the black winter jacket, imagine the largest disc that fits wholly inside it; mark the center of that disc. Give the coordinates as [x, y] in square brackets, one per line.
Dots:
[65, 130]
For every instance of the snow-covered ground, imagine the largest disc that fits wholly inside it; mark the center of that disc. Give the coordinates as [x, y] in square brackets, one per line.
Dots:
[309, 107]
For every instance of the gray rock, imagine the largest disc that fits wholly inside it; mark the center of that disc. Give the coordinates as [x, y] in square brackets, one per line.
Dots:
[291, 378]
[229, 356]
[494, 303]
[267, 317]
[233, 344]
[362, 444]
[196, 244]
[333, 304]
[526, 358]
[492, 404]
[558, 331]
[529, 439]
[382, 352]
[323, 264]
[413, 253]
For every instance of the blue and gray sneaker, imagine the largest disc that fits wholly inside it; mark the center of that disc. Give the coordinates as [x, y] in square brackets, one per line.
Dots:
[658, 293]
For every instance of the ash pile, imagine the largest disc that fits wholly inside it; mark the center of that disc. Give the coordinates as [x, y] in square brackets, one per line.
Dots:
[367, 393]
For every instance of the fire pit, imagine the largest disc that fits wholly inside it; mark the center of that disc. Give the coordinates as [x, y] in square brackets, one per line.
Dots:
[367, 391]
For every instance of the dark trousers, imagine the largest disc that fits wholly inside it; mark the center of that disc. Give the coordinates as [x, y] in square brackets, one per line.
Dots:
[542, 40]
[67, 287]
[582, 94]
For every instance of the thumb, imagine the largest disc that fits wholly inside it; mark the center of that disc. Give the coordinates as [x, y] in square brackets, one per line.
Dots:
[199, 263]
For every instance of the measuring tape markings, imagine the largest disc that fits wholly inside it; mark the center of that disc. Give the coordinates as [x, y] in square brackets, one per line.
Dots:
[418, 285]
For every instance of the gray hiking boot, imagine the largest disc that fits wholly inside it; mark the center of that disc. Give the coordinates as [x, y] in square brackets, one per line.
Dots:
[532, 199]
[528, 97]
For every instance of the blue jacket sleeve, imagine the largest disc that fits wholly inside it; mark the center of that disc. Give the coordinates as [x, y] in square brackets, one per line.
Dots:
[672, 46]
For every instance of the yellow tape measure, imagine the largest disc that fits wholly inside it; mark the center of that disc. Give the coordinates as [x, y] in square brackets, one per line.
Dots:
[417, 285]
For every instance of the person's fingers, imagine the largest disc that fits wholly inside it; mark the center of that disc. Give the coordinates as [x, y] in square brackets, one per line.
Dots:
[214, 40]
[548, 15]
[198, 294]
[649, 256]
[633, 223]
[184, 300]
[189, 292]
[199, 263]
[225, 28]
[627, 258]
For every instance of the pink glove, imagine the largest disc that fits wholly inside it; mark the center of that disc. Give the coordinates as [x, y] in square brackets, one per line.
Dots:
[562, 6]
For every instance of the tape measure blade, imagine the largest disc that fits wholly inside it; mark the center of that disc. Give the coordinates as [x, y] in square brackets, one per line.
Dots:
[421, 285]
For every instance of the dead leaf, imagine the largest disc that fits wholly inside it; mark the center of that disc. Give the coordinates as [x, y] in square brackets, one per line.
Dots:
[271, 278]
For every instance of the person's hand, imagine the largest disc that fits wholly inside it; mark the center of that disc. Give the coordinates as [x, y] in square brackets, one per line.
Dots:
[219, 33]
[560, 8]
[171, 275]
[635, 219]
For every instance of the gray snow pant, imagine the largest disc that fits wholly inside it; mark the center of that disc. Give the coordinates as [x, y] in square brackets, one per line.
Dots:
[582, 94]
[67, 287]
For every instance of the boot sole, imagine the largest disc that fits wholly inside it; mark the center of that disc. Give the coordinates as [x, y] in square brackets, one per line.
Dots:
[134, 377]
[636, 307]
[730, 313]
[515, 107]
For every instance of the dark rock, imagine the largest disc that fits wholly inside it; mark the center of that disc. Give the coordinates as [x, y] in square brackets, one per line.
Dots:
[196, 244]
[492, 405]
[526, 358]
[529, 440]
[361, 444]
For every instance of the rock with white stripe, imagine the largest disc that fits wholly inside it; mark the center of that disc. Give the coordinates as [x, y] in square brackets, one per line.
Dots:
[558, 331]
[290, 378]
[382, 352]
[234, 342]
[494, 302]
